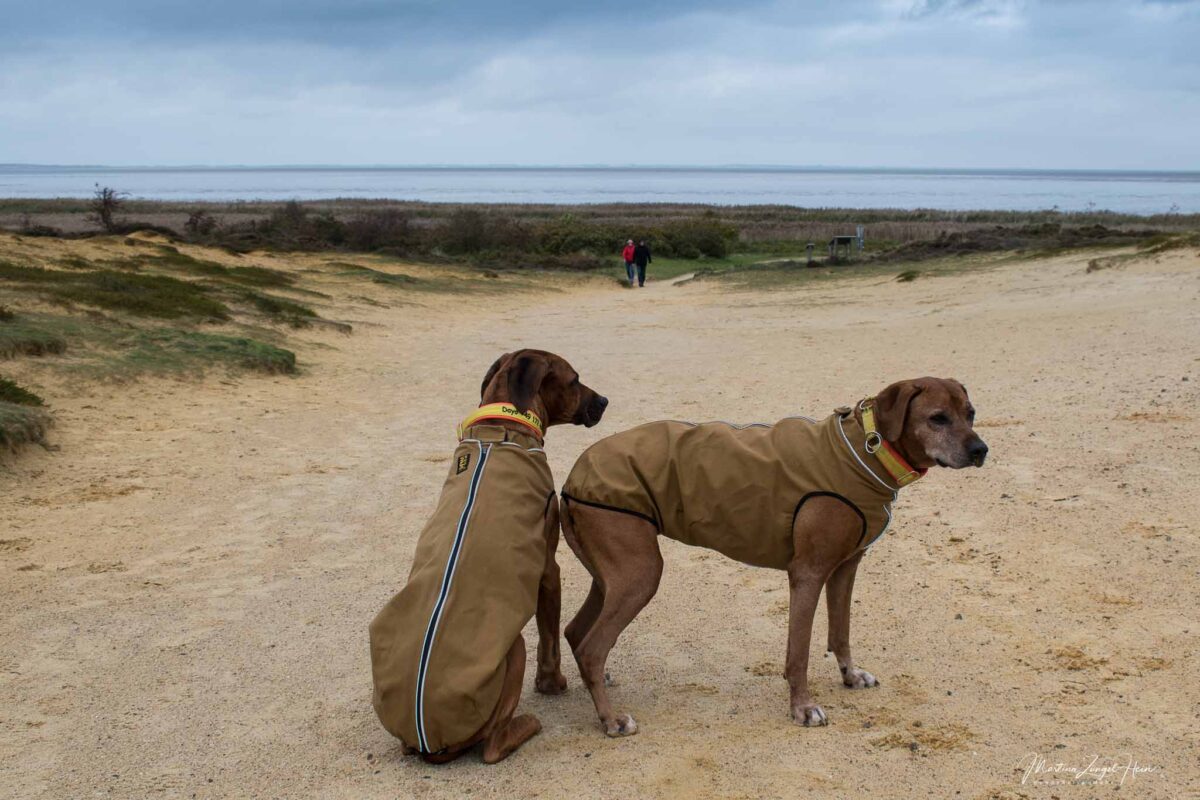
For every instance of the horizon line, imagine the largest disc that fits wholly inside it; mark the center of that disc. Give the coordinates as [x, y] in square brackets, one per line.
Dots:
[499, 166]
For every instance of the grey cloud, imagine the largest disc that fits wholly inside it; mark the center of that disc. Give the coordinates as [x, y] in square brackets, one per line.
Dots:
[937, 83]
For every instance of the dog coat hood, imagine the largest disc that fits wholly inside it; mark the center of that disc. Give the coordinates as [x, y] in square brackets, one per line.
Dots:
[438, 647]
[735, 489]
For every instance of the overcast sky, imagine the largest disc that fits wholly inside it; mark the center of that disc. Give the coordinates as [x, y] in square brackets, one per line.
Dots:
[925, 83]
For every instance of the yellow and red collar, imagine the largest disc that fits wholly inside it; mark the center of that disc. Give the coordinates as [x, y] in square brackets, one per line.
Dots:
[900, 470]
[503, 411]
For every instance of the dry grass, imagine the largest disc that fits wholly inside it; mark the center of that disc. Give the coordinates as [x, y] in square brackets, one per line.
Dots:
[19, 337]
[10, 392]
[21, 425]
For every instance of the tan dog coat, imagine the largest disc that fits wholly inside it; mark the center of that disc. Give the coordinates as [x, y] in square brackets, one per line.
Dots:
[735, 489]
[438, 648]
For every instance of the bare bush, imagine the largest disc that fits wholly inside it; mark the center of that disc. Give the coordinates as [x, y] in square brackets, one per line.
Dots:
[106, 201]
[199, 224]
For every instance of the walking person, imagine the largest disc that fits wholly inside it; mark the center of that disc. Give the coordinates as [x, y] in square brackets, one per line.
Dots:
[641, 257]
[627, 254]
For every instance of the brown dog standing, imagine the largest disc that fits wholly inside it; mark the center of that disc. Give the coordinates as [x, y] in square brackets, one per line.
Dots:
[447, 655]
[801, 495]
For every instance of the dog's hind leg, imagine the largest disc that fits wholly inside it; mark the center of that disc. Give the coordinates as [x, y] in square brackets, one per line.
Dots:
[621, 552]
[549, 678]
[505, 733]
[584, 618]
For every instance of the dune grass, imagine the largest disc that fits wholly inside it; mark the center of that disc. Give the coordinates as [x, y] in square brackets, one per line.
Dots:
[173, 351]
[169, 257]
[374, 275]
[1166, 242]
[108, 349]
[291, 312]
[21, 424]
[10, 392]
[19, 337]
[158, 296]
[765, 275]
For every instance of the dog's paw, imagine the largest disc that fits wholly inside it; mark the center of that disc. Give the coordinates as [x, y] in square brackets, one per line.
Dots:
[553, 683]
[811, 715]
[621, 725]
[859, 679]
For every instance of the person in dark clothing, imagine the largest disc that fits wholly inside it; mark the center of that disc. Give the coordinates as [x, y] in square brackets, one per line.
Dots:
[641, 257]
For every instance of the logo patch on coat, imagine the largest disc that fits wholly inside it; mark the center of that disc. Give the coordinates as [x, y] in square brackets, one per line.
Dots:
[463, 461]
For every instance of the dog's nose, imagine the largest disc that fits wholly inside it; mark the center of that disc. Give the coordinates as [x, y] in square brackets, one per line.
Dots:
[978, 452]
[601, 401]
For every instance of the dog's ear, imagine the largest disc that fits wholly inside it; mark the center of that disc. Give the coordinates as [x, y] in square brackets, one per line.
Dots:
[491, 373]
[891, 408]
[525, 375]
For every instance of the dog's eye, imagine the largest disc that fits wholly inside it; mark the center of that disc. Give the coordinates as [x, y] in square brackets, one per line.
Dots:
[940, 419]
[970, 415]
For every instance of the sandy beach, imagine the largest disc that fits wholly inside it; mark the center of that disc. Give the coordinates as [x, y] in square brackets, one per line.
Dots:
[189, 576]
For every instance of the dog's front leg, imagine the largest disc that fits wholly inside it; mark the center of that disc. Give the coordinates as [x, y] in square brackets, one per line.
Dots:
[805, 586]
[837, 599]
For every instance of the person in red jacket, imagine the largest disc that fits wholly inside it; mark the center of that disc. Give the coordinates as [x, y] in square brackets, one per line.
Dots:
[627, 254]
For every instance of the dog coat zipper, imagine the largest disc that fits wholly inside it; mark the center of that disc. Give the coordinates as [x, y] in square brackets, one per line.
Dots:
[460, 532]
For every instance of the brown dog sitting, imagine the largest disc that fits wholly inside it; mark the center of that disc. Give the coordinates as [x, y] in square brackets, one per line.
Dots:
[800, 495]
[447, 655]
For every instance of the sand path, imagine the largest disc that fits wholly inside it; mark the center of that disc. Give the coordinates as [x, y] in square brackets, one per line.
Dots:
[189, 579]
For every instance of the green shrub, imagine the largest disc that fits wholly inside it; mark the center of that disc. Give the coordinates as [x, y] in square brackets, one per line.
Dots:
[702, 236]
[373, 230]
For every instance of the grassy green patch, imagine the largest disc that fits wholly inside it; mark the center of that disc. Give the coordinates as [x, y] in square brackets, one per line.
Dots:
[252, 276]
[374, 275]
[21, 424]
[110, 350]
[1163, 243]
[142, 295]
[21, 338]
[169, 350]
[75, 262]
[12, 393]
[285, 310]
[170, 258]
[784, 273]
[662, 269]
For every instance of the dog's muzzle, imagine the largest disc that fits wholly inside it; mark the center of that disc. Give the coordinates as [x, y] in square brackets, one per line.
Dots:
[592, 412]
[977, 452]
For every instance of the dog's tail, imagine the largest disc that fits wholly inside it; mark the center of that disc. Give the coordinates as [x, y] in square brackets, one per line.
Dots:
[564, 517]
[567, 525]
